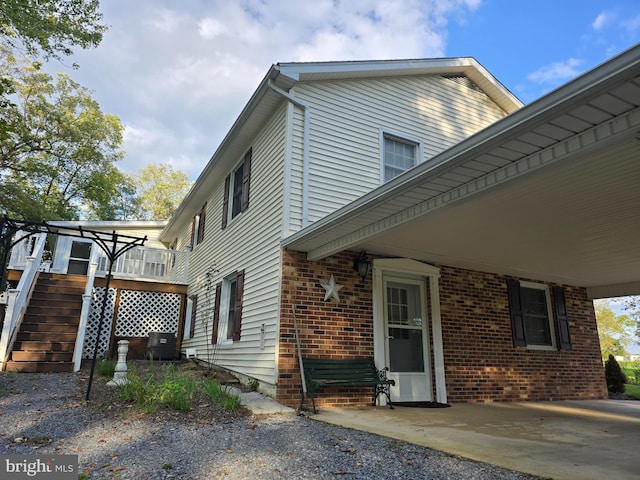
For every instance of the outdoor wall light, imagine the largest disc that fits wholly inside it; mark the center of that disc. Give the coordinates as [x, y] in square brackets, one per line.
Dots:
[362, 265]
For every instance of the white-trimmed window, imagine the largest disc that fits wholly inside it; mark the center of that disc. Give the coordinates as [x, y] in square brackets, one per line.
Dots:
[236, 189]
[398, 155]
[531, 315]
[197, 226]
[227, 314]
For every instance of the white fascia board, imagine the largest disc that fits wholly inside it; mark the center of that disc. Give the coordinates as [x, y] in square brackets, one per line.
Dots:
[307, 71]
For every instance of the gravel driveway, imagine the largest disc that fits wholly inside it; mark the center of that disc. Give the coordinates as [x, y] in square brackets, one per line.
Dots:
[45, 414]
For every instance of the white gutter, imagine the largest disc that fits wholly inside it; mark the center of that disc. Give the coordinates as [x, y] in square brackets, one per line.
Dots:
[305, 148]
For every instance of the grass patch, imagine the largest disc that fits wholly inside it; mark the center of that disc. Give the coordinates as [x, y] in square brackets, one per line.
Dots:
[106, 367]
[632, 390]
[213, 391]
[632, 370]
[175, 390]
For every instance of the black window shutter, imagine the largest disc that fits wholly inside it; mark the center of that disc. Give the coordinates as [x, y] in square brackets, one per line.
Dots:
[515, 310]
[225, 201]
[237, 318]
[216, 314]
[203, 214]
[194, 309]
[562, 318]
[246, 180]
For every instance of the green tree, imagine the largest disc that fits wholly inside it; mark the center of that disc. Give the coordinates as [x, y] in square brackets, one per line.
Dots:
[57, 156]
[161, 188]
[614, 331]
[49, 28]
[632, 305]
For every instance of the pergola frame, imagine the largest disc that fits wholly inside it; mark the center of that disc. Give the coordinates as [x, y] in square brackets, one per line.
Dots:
[112, 244]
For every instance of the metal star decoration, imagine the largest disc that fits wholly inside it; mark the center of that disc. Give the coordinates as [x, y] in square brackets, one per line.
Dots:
[332, 289]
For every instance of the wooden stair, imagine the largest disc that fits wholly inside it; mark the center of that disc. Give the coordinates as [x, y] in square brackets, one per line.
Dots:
[47, 336]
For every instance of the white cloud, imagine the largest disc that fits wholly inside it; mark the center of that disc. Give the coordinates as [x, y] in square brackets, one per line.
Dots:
[178, 73]
[601, 20]
[557, 72]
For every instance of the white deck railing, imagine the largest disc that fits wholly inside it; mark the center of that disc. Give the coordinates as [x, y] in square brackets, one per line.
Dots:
[148, 263]
[17, 299]
[140, 263]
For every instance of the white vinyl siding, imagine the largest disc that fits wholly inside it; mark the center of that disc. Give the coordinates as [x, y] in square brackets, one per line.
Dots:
[250, 243]
[346, 118]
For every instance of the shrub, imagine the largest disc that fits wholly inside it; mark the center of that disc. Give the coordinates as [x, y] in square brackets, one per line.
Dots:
[614, 375]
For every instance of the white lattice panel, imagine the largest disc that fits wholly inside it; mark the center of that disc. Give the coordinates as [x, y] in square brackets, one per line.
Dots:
[93, 322]
[142, 312]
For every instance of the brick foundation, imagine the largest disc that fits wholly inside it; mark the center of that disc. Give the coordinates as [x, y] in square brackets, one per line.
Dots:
[481, 363]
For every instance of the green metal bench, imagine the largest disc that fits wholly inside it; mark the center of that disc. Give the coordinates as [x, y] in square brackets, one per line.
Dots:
[357, 372]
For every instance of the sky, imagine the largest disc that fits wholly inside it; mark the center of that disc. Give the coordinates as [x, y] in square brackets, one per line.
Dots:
[178, 73]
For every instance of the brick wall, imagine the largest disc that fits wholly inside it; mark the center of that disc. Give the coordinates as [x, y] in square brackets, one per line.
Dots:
[327, 329]
[481, 363]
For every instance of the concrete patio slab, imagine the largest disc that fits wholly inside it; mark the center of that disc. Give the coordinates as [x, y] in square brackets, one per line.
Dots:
[560, 440]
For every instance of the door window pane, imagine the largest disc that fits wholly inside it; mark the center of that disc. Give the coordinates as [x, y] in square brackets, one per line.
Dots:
[80, 250]
[403, 304]
[405, 350]
[79, 258]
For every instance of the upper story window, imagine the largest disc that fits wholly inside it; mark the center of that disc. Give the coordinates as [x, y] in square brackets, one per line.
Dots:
[236, 190]
[197, 226]
[398, 155]
[532, 318]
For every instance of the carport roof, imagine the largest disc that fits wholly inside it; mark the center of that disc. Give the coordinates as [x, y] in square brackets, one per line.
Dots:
[550, 192]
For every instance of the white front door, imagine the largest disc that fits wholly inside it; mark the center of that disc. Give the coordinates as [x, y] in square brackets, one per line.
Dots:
[406, 327]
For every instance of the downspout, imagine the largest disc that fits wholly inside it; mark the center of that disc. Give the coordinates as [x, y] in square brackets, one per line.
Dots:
[305, 149]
